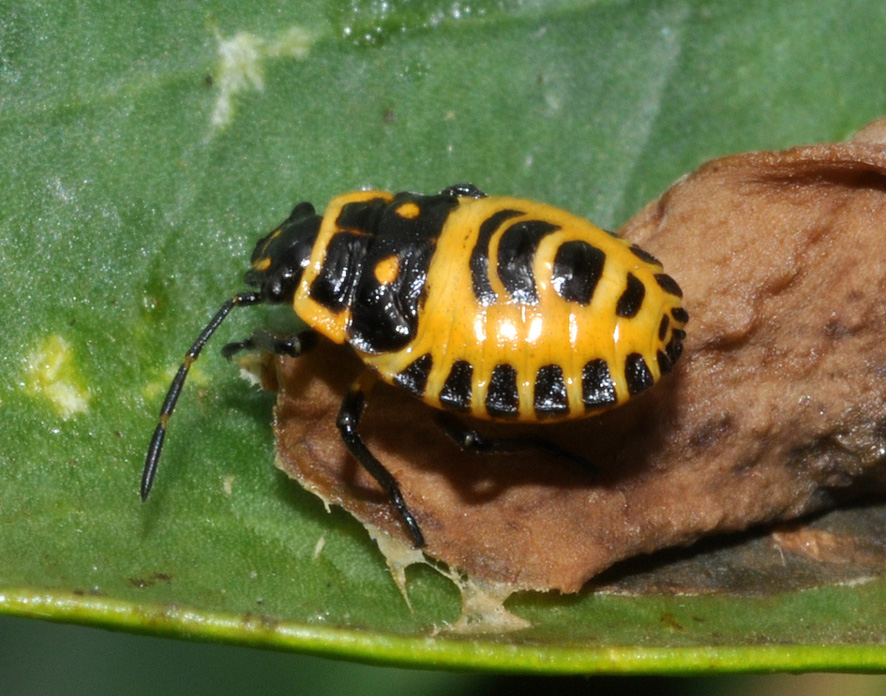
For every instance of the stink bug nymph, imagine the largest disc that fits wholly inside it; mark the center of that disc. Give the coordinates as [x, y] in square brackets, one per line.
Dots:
[494, 307]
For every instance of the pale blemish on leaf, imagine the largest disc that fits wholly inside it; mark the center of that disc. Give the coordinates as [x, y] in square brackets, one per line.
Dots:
[483, 608]
[241, 66]
[50, 373]
[482, 603]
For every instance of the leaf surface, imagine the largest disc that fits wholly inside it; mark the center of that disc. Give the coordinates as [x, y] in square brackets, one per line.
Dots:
[146, 149]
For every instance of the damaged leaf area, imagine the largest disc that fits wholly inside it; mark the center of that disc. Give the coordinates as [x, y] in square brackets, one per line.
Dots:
[777, 409]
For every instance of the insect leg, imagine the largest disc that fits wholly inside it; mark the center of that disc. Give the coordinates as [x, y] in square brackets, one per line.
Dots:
[278, 344]
[347, 422]
[244, 299]
[463, 191]
[468, 439]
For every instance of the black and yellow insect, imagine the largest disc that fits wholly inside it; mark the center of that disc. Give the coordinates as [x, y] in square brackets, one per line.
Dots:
[494, 307]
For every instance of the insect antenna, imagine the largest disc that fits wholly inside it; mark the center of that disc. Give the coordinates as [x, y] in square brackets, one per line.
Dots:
[243, 299]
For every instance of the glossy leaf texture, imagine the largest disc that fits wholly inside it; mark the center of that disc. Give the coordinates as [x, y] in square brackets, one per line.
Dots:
[146, 148]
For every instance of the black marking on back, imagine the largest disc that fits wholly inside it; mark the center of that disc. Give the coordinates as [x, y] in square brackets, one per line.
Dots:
[385, 316]
[363, 216]
[664, 362]
[516, 254]
[644, 255]
[631, 299]
[550, 392]
[480, 256]
[674, 348]
[680, 315]
[502, 398]
[415, 377]
[637, 374]
[663, 327]
[334, 285]
[577, 269]
[456, 392]
[668, 284]
[597, 386]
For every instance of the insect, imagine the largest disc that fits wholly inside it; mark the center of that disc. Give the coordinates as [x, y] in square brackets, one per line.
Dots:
[493, 307]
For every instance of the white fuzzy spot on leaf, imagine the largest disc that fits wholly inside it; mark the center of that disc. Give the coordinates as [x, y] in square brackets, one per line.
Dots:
[241, 66]
[50, 373]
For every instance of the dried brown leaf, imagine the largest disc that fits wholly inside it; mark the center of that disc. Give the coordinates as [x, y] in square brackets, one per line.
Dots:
[776, 410]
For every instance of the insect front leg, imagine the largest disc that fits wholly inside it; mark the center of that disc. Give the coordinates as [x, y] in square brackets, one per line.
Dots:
[469, 439]
[347, 422]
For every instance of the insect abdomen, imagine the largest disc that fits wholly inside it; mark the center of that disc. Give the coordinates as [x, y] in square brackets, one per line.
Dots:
[532, 314]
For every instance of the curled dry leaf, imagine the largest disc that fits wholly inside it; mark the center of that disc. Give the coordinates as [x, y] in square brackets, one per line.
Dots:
[777, 408]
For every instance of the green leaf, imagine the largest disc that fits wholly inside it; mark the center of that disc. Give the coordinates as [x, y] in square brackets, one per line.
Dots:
[145, 150]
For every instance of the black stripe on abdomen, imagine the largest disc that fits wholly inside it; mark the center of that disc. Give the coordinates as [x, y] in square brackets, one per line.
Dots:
[480, 256]
[502, 398]
[550, 395]
[456, 392]
[516, 255]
